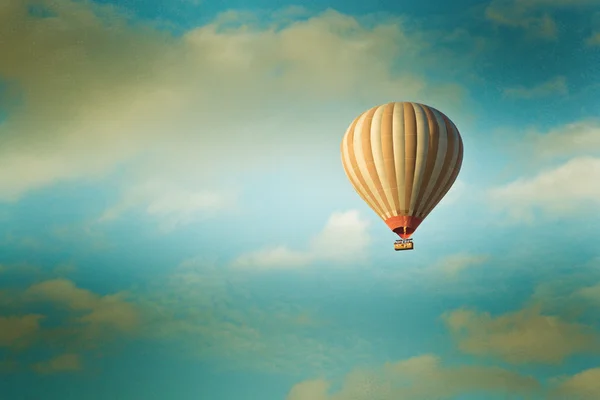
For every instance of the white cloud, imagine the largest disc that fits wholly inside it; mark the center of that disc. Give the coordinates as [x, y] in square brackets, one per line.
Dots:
[554, 86]
[172, 204]
[99, 95]
[418, 378]
[456, 192]
[566, 190]
[573, 139]
[343, 239]
[557, 190]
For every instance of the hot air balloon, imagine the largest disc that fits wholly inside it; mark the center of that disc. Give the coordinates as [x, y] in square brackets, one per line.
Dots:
[402, 158]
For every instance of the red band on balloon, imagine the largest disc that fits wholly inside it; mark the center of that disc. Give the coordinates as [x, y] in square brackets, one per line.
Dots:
[398, 223]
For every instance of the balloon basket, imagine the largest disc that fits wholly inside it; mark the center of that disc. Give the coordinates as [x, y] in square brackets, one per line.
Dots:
[404, 244]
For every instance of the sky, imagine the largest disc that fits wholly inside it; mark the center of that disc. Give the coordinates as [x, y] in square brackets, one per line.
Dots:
[175, 221]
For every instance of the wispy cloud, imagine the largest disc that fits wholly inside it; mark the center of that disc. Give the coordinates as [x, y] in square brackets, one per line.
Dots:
[554, 86]
[206, 311]
[198, 105]
[569, 189]
[59, 364]
[455, 264]
[593, 40]
[81, 319]
[418, 378]
[584, 385]
[343, 239]
[533, 16]
[524, 336]
[110, 312]
[170, 204]
[19, 331]
[573, 139]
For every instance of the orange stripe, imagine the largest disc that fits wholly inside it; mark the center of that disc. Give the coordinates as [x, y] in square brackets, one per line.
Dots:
[387, 149]
[410, 152]
[369, 161]
[445, 167]
[431, 157]
[372, 202]
[455, 167]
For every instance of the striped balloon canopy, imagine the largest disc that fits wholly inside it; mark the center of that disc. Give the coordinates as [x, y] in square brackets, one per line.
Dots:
[402, 158]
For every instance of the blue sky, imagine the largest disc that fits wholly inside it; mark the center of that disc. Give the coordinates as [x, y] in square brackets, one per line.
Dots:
[175, 222]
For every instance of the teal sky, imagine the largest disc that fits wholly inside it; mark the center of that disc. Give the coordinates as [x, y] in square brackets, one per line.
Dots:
[175, 222]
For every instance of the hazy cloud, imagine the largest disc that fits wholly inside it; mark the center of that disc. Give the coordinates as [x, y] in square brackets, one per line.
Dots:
[590, 293]
[344, 238]
[68, 319]
[582, 386]
[562, 191]
[573, 139]
[520, 14]
[593, 40]
[533, 16]
[183, 112]
[61, 363]
[171, 204]
[19, 331]
[524, 336]
[457, 263]
[554, 86]
[418, 378]
[206, 311]
[99, 313]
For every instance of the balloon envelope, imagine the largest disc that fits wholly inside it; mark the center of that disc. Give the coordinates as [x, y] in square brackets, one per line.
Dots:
[402, 158]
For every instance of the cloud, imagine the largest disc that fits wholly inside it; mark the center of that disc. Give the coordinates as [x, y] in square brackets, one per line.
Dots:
[590, 293]
[60, 364]
[582, 386]
[78, 51]
[564, 185]
[520, 337]
[98, 314]
[593, 40]
[277, 257]
[533, 16]
[190, 114]
[172, 205]
[20, 269]
[419, 378]
[567, 190]
[343, 239]
[18, 331]
[554, 86]
[456, 192]
[455, 264]
[573, 139]
[202, 310]
[64, 318]
[573, 293]
[519, 14]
